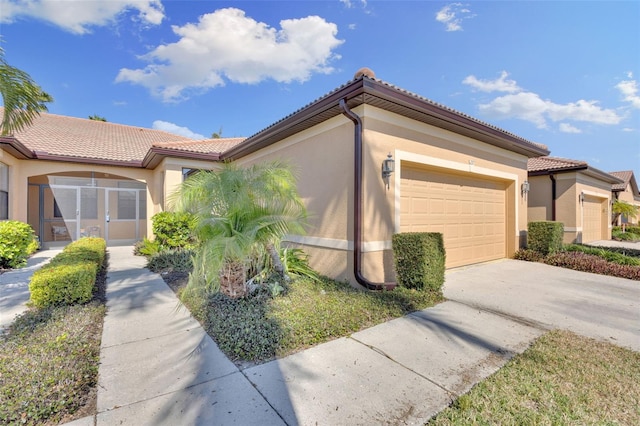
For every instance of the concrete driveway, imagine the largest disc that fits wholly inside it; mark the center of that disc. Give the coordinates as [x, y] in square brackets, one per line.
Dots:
[596, 306]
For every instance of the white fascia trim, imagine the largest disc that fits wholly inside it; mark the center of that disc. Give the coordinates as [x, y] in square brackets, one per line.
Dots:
[337, 244]
[451, 165]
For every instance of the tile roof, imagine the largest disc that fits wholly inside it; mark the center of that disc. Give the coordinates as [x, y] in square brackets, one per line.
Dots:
[412, 95]
[205, 146]
[625, 176]
[80, 138]
[539, 164]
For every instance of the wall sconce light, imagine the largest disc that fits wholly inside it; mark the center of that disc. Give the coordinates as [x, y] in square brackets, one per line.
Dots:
[388, 167]
[581, 198]
[526, 187]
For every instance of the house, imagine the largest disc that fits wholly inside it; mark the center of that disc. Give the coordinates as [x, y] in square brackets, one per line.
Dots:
[70, 177]
[626, 191]
[571, 192]
[373, 160]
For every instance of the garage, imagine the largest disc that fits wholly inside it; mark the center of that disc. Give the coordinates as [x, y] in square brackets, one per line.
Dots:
[594, 219]
[468, 210]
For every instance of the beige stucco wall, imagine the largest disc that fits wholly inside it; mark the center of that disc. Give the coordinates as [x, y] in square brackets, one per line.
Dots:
[539, 199]
[569, 210]
[324, 157]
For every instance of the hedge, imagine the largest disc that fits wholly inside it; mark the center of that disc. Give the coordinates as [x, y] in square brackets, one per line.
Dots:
[70, 277]
[545, 237]
[419, 260]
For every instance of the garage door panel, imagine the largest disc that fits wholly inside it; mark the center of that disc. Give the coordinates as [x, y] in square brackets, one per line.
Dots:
[592, 226]
[469, 212]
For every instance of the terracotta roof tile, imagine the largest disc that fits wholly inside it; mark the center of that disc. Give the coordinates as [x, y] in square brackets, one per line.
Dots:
[205, 146]
[626, 176]
[414, 95]
[83, 138]
[553, 163]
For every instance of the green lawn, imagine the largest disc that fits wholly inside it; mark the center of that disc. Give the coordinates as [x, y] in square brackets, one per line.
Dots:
[562, 379]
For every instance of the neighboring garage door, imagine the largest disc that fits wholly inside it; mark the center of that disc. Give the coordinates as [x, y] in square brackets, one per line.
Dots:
[469, 212]
[593, 219]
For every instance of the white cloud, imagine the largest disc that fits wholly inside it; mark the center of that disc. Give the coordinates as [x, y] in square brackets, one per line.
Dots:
[501, 84]
[628, 129]
[349, 4]
[78, 16]
[452, 16]
[529, 106]
[226, 44]
[568, 128]
[629, 89]
[176, 130]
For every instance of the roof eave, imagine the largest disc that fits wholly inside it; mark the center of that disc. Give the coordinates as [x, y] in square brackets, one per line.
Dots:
[15, 148]
[155, 155]
[584, 168]
[364, 90]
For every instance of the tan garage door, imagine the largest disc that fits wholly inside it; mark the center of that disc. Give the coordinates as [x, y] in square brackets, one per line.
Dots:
[593, 219]
[468, 211]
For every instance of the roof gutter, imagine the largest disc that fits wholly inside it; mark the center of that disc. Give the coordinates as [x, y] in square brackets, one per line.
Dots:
[357, 203]
[554, 191]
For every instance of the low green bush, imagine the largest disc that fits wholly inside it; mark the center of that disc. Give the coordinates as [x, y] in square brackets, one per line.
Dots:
[174, 229]
[528, 255]
[594, 264]
[63, 284]
[146, 248]
[88, 249]
[419, 260]
[174, 260]
[17, 242]
[69, 277]
[545, 237]
[605, 253]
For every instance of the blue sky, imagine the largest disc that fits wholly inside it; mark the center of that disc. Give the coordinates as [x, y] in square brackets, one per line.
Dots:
[566, 74]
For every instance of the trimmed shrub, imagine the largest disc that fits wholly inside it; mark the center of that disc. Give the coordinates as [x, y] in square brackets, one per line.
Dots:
[592, 263]
[63, 284]
[545, 237]
[69, 277]
[88, 249]
[17, 242]
[419, 259]
[174, 230]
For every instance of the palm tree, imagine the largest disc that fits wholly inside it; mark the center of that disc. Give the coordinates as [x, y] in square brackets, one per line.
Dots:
[239, 212]
[22, 98]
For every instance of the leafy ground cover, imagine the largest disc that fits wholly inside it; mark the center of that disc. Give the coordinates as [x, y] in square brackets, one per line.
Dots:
[615, 262]
[263, 326]
[49, 362]
[561, 379]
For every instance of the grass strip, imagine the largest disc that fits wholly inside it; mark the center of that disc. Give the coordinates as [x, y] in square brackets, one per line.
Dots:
[49, 364]
[261, 327]
[561, 379]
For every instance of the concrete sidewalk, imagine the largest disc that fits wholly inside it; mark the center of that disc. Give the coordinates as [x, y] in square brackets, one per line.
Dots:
[159, 367]
[14, 287]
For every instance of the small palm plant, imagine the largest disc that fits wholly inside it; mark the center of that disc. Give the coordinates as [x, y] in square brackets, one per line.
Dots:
[238, 211]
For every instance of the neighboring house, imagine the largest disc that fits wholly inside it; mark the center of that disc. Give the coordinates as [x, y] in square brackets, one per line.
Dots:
[626, 191]
[574, 193]
[453, 174]
[70, 177]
